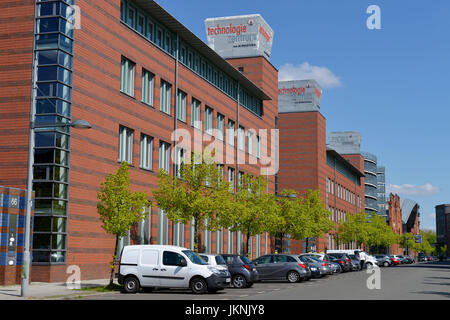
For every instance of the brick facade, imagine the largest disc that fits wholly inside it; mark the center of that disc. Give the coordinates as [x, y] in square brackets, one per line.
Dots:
[303, 166]
[395, 220]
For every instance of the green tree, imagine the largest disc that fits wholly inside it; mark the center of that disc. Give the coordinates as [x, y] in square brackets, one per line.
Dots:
[255, 211]
[379, 233]
[354, 228]
[199, 195]
[292, 218]
[318, 217]
[119, 208]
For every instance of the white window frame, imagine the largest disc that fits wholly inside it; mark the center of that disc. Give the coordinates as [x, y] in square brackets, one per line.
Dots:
[164, 156]
[195, 113]
[220, 126]
[165, 97]
[230, 132]
[148, 87]
[125, 144]
[241, 138]
[127, 76]
[146, 152]
[208, 119]
[181, 105]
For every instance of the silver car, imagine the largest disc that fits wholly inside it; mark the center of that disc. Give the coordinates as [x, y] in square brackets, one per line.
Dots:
[318, 268]
[281, 266]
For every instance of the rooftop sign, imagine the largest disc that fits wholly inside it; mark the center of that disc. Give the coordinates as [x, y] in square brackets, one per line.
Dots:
[299, 96]
[240, 36]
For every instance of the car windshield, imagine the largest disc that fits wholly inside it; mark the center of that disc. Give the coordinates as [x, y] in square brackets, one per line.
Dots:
[314, 259]
[337, 255]
[245, 260]
[194, 257]
[220, 260]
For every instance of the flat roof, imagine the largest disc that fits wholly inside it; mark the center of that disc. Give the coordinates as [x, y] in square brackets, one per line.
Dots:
[345, 162]
[175, 26]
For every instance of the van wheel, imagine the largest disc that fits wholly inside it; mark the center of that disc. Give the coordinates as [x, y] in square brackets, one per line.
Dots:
[386, 264]
[198, 286]
[131, 285]
[293, 276]
[239, 281]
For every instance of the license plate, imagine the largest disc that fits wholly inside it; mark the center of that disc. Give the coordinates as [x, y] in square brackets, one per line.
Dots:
[227, 280]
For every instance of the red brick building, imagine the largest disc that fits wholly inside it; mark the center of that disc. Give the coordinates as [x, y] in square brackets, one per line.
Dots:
[395, 220]
[307, 163]
[121, 72]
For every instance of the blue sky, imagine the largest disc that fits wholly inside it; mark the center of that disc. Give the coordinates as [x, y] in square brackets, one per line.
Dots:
[391, 85]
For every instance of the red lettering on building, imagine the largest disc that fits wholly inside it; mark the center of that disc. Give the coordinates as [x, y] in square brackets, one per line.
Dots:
[292, 90]
[264, 33]
[231, 29]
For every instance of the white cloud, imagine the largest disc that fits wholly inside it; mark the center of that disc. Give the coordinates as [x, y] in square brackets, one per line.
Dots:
[413, 190]
[305, 71]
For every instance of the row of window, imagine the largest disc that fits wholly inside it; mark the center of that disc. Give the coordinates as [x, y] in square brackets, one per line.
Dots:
[153, 31]
[337, 214]
[146, 155]
[342, 192]
[332, 244]
[127, 86]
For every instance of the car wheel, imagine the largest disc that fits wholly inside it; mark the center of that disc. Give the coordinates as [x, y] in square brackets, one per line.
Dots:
[293, 276]
[131, 285]
[386, 264]
[239, 281]
[198, 286]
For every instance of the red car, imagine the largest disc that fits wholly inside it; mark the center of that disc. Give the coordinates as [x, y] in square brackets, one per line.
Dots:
[395, 260]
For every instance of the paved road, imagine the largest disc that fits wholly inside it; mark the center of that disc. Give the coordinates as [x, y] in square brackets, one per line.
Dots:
[426, 280]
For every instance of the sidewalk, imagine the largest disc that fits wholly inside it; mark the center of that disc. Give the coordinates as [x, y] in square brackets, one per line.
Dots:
[50, 291]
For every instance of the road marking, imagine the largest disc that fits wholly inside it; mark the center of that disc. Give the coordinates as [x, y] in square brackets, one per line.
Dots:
[244, 295]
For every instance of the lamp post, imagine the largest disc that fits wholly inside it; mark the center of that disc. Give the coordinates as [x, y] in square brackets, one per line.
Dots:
[78, 124]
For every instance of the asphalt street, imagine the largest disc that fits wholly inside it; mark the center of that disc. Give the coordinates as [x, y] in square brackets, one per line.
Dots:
[419, 281]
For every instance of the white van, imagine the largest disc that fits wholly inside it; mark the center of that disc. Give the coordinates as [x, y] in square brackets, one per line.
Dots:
[370, 260]
[152, 266]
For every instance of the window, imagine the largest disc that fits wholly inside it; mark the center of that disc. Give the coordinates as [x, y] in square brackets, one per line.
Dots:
[241, 138]
[250, 142]
[231, 178]
[165, 97]
[150, 31]
[127, 77]
[141, 24]
[180, 155]
[220, 126]
[230, 132]
[131, 17]
[258, 147]
[208, 120]
[164, 156]
[125, 144]
[172, 258]
[195, 114]
[159, 37]
[181, 106]
[146, 152]
[239, 178]
[147, 87]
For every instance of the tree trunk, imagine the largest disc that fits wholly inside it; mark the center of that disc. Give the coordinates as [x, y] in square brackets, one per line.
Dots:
[281, 242]
[196, 238]
[246, 242]
[113, 262]
[307, 244]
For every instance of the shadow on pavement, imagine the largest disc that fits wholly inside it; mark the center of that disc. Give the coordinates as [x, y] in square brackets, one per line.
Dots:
[445, 294]
[435, 265]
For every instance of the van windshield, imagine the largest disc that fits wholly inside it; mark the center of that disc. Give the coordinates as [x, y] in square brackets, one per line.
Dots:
[194, 258]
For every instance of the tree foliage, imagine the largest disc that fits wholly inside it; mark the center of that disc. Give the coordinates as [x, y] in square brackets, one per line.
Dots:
[200, 194]
[354, 228]
[118, 207]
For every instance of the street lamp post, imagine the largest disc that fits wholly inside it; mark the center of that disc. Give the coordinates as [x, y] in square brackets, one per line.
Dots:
[79, 124]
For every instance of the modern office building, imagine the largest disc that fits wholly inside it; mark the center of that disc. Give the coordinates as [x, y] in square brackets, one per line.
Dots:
[443, 226]
[370, 181]
[306, 162]
[136, 74]
[382, 204]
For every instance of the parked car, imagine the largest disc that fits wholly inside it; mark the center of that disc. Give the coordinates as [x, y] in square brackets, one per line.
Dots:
[370, 260]
[409, 260]
[355, 262]
[384, 260]
[421, 256]
[149, 266]
[343, 259]
[281, 267]
[242, 270]
[402, 259]
[318, 267]
[395, 259]
[335, 266]
[215, 260]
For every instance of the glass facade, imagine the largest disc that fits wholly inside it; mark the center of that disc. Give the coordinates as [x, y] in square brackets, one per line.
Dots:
[54, 62]
[370, 183]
